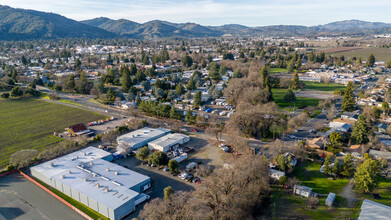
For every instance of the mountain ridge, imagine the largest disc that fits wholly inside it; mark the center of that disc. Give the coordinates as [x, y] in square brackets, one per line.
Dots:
[23, 24]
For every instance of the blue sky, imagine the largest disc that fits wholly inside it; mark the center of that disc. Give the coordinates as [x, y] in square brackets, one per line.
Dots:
[217, 12]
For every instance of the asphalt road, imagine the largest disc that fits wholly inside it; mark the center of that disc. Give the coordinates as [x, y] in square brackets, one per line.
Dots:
[21, 199]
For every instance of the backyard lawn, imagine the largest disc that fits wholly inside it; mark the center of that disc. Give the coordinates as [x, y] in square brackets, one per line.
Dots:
[29, 124]
[278, 70]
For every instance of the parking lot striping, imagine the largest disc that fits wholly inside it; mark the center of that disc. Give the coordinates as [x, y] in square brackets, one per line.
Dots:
[56, 196]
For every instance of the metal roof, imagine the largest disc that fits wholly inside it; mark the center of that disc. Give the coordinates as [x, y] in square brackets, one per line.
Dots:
[142, 135]
[169, 140]
[371, 210]
[85, 172]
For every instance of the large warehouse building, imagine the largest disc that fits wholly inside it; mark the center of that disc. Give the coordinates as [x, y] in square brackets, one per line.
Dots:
[88, 177]
[141, 137]
[165, 143]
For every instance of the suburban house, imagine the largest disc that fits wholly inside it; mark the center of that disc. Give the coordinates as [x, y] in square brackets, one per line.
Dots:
[351, 115]
[302, 191]
[339, 126]
[316, 143]
[380, 154]
[382, 128]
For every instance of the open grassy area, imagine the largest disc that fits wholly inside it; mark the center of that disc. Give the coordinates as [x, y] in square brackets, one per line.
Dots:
[278, 70]
[278, 95]
[289, 206]
[323, 87]
[29, 124]
[309, 175]
[383, 54]
[87, 210]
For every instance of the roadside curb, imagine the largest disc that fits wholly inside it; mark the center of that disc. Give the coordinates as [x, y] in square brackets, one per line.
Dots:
[56, 196]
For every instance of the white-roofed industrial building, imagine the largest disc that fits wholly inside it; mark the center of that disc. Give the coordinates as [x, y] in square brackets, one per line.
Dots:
[166, 143]
[88, 177]
[141, 137]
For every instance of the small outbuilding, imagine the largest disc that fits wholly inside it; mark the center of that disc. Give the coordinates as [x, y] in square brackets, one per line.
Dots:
[77, 130]
[330, 199]
[302, 191]
[276, 174]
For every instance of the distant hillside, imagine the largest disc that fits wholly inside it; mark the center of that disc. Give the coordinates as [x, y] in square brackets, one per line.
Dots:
[152, 29]
[18, 24]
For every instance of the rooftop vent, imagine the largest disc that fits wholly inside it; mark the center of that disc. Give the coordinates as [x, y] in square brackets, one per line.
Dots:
[97, 185]
[85, 154]
[108, 169]
[91, 163]
[69, 172]
[107, 190]
[51, 164]
[62, 176]
[116, 173]
[77, 157]
[85, 179]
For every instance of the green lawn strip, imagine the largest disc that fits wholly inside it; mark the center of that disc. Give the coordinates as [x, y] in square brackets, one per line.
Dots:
[87, 210]
[29, 124]
[69, 102]
[278, 70]
[278, 95]
[323, 87]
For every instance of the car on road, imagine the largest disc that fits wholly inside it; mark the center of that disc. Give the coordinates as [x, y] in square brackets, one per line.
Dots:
[184, 130]
[292, 136]
[209, 110]
[193, 130]
[166, 169]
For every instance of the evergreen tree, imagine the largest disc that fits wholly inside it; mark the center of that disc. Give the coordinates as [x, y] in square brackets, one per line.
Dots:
[347, 168]
[336, 167]
[197, 99]
[126, 80]
[14, 76]
[189, 117]
[295, 81]
[291, 66]
[174, 114]
[326, 165]
[371, 60]
[366, 176]
[190, 85]
[348, 102]
[179, 90]
[24, 60]
[360, 131]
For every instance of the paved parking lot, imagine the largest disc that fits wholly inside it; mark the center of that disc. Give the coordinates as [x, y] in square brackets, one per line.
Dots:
[21, 199]
[159, 178]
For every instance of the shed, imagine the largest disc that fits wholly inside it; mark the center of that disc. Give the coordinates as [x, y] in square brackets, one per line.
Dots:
[276, 174]
[302, 190]
[77, 129]
[330, 199]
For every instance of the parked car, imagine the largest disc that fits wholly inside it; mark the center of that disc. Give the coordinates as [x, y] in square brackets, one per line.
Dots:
[191, 166]
[225, 149]
[292, 136]
[185, 176]
[184, 130]
[166, 169]
[196, 180]
[193, 129]
[209, 110]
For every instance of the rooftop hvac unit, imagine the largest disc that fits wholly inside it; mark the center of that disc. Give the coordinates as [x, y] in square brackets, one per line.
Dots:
[91, 163]
[51, 164]
[97, 185]
[107, 190]
[85, 179]
[69, 172]
[85, 154]
[62, 176]
[108, 169]
[116, 173]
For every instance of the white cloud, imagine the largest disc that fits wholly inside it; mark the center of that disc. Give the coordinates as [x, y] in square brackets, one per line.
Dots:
[216, 12]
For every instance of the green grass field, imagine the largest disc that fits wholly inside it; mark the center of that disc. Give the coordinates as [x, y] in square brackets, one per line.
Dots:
[278, 70]
[383, 54]
[278, 95]
[29, 124]
[323, 87]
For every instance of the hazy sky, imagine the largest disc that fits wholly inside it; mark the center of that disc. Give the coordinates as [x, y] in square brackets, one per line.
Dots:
[217, 12]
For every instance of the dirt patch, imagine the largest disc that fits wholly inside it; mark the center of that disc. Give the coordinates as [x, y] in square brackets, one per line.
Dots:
[316, 95]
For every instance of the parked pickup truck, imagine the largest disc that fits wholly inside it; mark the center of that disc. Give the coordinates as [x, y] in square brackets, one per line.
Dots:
[141, 198]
